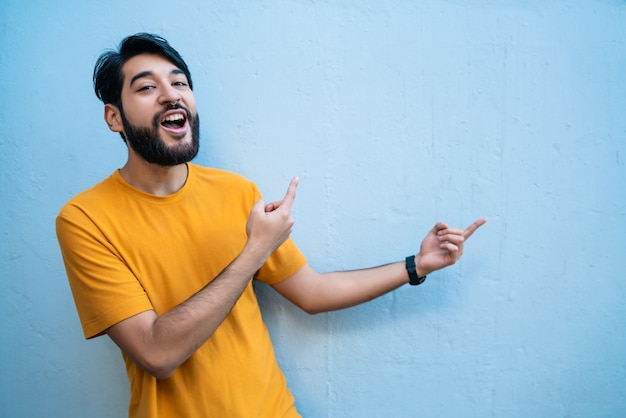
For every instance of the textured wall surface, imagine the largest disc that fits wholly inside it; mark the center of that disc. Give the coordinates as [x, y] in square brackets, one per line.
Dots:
[395, 115]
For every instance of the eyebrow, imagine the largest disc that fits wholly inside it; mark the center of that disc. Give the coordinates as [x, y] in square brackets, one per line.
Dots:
[148, 73]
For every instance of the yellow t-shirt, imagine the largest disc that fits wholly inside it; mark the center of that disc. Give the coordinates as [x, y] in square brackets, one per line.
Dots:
[126, 252]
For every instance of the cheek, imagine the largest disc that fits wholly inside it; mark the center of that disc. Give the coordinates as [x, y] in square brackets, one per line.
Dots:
[190, 102]
[138, 113]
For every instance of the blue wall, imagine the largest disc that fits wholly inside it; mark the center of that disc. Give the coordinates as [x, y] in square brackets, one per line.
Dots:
[395, 115]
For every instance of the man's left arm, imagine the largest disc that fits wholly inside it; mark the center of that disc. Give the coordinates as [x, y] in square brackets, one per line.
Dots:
[321, 292]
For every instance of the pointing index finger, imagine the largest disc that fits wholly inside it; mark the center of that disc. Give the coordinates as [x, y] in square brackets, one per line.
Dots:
[473, 227]
[291, 193]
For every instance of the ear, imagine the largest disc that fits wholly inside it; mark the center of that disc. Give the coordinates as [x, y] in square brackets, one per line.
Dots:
[113, 118]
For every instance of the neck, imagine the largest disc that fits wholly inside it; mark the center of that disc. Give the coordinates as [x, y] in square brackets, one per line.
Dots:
[154, 179]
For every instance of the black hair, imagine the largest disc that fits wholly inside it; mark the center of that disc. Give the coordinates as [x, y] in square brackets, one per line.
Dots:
[107, 73]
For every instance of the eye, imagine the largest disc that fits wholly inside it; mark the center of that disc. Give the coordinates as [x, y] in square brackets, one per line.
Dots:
[179, 84]
[145, 88]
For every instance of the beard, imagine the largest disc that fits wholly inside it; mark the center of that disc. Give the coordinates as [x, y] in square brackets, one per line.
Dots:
[147, 142]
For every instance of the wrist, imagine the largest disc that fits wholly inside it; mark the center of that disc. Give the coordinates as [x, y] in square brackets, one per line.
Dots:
[254, 255]
[419, 268]
[416, 276]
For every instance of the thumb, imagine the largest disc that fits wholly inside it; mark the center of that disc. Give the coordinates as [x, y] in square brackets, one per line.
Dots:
[255, 212]
[270, 207]
[259, 205]
[438, 227]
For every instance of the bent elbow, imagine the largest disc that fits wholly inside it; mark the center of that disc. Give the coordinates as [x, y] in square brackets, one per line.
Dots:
[162, 373]
[312, 309]
[159, 368]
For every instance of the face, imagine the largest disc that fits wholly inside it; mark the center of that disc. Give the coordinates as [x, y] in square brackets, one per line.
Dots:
[158, 112]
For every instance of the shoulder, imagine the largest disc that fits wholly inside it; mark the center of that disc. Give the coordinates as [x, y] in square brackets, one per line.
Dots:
[216, 174]
[92, 197]
[223, 179]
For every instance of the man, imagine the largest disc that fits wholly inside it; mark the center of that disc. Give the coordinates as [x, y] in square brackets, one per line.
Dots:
[160, 255]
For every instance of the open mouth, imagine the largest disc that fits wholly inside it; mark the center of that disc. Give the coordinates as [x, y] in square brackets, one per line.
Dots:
[174, 121]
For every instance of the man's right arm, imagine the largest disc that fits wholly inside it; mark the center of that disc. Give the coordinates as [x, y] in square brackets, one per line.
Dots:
[159, 344]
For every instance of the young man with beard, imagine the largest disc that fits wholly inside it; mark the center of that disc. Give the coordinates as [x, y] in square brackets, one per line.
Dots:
[161, 254]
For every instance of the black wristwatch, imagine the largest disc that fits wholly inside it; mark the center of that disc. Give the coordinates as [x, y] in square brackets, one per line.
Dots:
[414, 280]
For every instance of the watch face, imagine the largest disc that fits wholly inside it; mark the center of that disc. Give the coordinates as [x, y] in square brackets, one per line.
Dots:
[410, 263]
[410, 268]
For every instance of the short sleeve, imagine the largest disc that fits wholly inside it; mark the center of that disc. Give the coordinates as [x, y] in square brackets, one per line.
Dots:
[283, 262]
[105, 290]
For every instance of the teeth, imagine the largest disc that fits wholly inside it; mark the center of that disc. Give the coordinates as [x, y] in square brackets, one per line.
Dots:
[173, 118]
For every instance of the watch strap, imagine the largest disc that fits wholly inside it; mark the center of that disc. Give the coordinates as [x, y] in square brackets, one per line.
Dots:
[414, 280]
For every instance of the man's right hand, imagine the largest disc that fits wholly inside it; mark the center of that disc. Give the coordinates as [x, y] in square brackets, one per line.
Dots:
[270, 225]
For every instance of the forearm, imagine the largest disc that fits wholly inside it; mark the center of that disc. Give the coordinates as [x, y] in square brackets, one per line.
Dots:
[314, 292]
[344, 289]
[159, 344]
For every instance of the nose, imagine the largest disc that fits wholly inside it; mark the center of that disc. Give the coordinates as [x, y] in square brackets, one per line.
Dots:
[169, 96]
